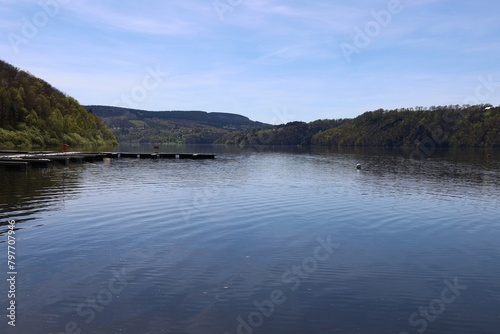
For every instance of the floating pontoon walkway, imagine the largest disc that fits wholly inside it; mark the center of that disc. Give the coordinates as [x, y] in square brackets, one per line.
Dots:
[19, 160]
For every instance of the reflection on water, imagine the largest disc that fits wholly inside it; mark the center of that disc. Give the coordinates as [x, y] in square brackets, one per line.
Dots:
[24, 194]
[260, 240]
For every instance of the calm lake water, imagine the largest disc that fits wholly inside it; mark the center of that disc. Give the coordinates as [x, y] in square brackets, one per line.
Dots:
[257, 241]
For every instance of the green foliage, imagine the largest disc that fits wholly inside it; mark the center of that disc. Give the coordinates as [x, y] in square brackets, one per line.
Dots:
[293, 133]
[446, 126]
[34, 114]
[182, 127]
[138, 123]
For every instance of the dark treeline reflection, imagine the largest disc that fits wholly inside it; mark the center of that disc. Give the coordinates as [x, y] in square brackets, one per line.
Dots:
[202, 244]
[470, 165]
[456, 172]
[393, 170]
[24, 194]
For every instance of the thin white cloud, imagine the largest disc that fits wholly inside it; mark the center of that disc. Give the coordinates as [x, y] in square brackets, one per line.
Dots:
[265, 55]
[319, 17]
[163, 22]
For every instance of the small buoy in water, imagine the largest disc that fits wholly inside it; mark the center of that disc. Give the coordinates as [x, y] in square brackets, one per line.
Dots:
[358, 166]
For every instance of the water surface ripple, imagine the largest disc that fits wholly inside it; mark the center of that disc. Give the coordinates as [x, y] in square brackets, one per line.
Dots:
[257, 242]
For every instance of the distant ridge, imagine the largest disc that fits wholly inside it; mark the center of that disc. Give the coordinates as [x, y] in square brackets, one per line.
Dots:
[441, 126]
[175, 126]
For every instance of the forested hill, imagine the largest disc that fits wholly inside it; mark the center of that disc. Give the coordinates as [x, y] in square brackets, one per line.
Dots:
[35, 114]
[188, 127]
[444, 126]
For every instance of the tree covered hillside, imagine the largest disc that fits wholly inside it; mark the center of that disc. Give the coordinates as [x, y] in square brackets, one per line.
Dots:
[445, 126]
[181, 127]
[35, 114]
[293, 133]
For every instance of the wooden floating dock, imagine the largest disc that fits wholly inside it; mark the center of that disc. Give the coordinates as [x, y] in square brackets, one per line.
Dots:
[20, 160]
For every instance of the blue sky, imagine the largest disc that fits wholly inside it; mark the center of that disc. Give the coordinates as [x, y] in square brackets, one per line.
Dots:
[274, 61]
